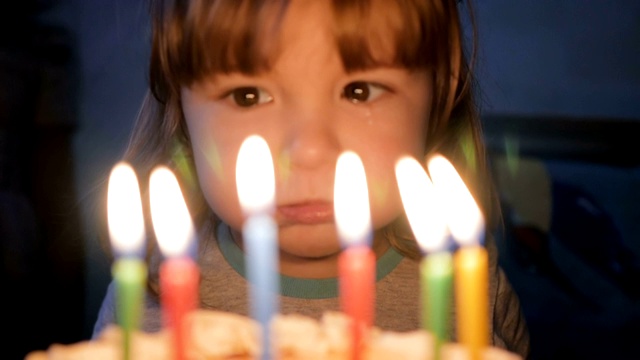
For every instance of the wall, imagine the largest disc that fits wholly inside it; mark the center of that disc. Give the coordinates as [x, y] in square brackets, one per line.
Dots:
[574, 58]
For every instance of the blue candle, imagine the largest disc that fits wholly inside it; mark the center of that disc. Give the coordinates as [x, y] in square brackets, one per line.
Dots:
[256, 191]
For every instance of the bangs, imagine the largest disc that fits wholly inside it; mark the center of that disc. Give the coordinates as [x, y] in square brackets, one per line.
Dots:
[403, 33]
[200, 38]
[196, 39]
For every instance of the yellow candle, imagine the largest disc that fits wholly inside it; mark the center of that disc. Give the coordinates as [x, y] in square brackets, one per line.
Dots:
[471, 264]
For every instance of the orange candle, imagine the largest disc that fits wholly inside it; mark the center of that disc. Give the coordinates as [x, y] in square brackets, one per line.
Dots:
[471, 265]
[357, 262]
[179, 275]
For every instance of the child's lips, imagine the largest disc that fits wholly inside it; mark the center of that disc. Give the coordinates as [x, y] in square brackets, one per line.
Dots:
[309, 213]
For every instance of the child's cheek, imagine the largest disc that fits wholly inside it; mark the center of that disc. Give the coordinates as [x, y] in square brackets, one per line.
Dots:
[384, 201]
[219, 189]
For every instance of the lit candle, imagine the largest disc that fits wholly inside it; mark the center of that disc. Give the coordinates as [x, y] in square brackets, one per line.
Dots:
[126, 230]
[179, 274]
[423, 207]
[255, 182]
[471, 262]
[357, 262]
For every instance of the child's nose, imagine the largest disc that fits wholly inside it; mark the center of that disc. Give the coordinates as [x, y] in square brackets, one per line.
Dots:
[312, 139]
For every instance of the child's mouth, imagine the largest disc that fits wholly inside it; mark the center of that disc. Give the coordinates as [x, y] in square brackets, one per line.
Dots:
[309, 213]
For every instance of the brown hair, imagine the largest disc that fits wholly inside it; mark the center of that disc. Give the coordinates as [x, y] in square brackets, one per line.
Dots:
[198, 38]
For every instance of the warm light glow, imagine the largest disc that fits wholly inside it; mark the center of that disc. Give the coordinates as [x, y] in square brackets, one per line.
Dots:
[463, 215]
[124, 210]
[351, 200]
[169, 214]
[255, 176]
[422, 204]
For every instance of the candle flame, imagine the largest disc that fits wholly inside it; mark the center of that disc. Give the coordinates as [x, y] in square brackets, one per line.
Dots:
[422, 204]
[255, 178]
[169, 214]
[351, 200]
[124, 210]
[464, 218]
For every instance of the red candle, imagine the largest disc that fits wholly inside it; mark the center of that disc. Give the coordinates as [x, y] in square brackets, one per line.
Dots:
[357, 262]
[178, 292]
[179, 275]
[357, 268]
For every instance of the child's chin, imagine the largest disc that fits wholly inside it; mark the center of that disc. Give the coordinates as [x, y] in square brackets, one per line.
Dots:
[309, 241]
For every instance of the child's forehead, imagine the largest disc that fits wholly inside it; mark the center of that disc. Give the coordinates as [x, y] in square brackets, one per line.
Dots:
[310, 30]
[365, 34]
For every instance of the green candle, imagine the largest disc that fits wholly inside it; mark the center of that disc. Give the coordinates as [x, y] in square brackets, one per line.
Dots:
[126, 230]
[423, 206]
[130, 277]
[436, 273]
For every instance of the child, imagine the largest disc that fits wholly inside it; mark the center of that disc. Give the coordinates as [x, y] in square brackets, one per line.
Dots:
[314, 78]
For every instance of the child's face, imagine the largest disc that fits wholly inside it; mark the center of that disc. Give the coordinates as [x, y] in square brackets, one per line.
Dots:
[309, 110]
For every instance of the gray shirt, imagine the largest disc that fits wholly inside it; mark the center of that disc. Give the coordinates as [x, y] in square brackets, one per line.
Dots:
[397, 306]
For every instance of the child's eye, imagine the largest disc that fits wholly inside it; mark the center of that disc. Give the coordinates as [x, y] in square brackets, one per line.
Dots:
[362, 91]
[249, 96]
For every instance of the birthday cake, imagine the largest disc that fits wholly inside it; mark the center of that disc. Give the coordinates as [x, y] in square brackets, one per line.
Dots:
[220, 335]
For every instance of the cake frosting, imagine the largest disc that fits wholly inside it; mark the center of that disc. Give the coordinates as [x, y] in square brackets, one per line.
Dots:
[216, 335]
